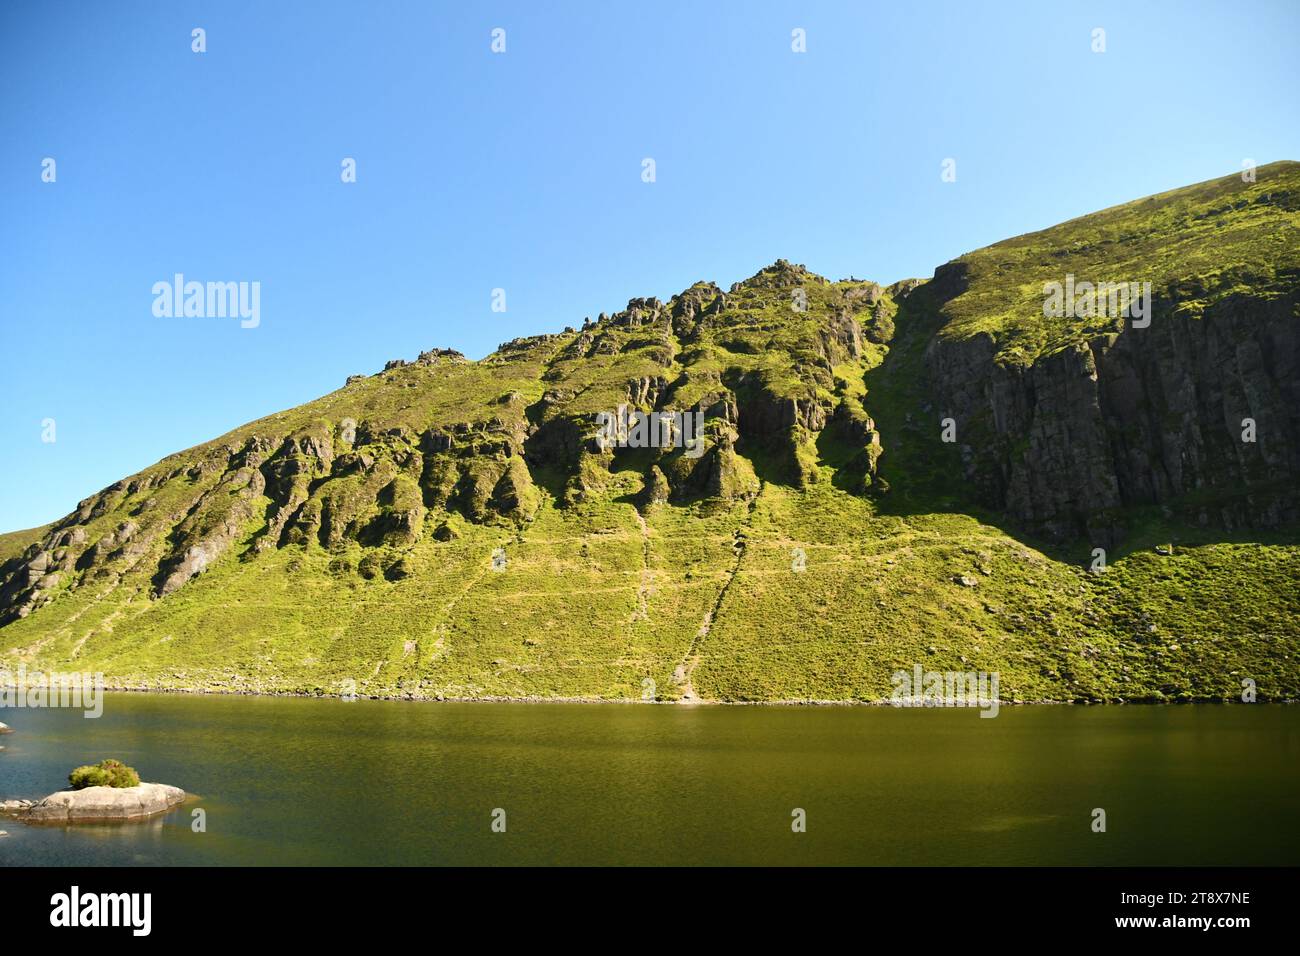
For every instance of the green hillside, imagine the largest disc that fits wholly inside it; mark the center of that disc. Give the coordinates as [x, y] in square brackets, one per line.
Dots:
[452, 528]
[1202, 243]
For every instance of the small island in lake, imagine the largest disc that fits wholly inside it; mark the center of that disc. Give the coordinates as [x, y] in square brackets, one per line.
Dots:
[106, 792]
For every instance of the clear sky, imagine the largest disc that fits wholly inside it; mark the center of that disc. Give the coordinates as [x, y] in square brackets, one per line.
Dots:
[523, 171]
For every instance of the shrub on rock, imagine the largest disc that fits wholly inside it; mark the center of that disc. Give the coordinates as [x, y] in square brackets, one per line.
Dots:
[106, 773]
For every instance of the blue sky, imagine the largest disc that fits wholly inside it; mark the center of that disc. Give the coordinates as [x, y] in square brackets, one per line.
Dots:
[523, 171]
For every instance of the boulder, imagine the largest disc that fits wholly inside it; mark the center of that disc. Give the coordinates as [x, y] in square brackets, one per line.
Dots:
[104, 804]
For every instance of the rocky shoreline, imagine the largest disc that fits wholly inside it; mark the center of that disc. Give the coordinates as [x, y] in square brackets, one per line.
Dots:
[694, 701]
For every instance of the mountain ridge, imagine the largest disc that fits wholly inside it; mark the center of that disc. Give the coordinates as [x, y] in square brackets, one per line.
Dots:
[448, 527]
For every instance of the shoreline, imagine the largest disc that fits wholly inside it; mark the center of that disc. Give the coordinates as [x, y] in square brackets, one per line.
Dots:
[678, 702]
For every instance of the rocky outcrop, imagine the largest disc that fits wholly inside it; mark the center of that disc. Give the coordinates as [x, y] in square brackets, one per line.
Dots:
[432, 356]
[1154, 416]
[856, 431]
[370, 471]
[720, 473]
[514, 494]
[100, 804]
[690, 306]
[216, 522]
[780, 424]
[656, 490]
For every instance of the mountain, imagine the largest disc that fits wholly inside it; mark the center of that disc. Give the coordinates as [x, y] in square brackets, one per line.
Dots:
[927, 472]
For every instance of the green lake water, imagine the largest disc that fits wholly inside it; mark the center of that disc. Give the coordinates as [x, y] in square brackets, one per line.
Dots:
[301, 781]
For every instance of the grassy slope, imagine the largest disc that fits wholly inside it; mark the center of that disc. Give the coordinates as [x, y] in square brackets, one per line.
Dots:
[13, 543]
[562, 619]
[1206, 241]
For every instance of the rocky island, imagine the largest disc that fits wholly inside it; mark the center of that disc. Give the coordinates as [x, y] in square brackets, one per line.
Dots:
[107, 792]
[97, 804]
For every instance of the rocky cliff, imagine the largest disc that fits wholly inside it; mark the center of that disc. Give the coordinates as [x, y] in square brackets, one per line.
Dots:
[1197, 412]
[371, 466]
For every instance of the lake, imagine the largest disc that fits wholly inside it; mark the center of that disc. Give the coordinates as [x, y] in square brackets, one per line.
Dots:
[305, 781]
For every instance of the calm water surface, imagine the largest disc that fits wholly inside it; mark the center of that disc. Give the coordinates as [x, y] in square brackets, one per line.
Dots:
[297, 781]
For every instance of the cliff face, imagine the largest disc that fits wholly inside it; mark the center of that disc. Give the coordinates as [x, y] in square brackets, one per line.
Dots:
[1066, 428]
[1136, 417]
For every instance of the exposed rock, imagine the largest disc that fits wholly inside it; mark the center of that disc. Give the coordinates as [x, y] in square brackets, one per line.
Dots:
[205, 535]
[781, 424]
[1133, 418]
[102, 804]
[719, 473]
[903, 287]
[514, 495]
[880, 327]
[400, 569]
[656, 490]
[401, 516]
[432, 355]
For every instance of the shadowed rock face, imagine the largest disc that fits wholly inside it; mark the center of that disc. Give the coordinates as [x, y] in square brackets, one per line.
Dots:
[1138, 417]
[104, 804]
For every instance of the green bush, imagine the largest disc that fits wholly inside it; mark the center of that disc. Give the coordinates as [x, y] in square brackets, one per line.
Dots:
[107, 773]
